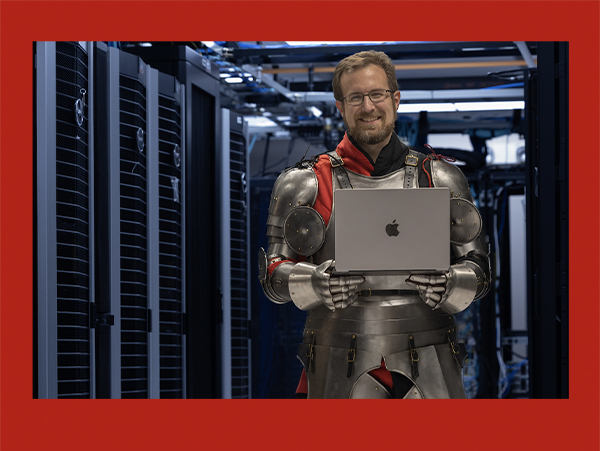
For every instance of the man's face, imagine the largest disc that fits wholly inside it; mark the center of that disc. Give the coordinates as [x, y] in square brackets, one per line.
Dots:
[368, 123]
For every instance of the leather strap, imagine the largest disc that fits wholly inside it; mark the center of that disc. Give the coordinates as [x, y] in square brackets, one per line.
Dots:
[412, 160]
[310, 351]
[337, 167]
[453, 348]
[414, 356]
[351, 356]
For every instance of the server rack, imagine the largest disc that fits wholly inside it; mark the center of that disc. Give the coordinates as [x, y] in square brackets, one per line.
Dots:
[547, 198]
[147, 229]
[64, 345]
[110, 249]
[235, 251]
[171, 167]
[204, 295]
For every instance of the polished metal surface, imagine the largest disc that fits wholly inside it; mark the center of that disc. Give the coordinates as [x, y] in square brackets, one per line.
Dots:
[465, 221]
[309, 286]
[293, 188]
[367, 387]
[304, 230]
[446, 174]
[462, 289]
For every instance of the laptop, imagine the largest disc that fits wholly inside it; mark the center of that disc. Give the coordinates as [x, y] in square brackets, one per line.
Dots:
[392, 230]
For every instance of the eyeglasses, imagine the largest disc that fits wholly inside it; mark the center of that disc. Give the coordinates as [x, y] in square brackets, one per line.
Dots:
[376, 96]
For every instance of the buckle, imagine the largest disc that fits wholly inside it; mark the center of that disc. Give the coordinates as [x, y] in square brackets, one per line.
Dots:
[414, 355]
[413, 157]
[351, 355]
[334, 162]
[451, 342]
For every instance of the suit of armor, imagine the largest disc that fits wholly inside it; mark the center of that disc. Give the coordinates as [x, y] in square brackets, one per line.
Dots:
[356, 324]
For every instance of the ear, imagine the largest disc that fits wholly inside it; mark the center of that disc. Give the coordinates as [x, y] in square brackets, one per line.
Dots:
[338, 104]
[396, 96]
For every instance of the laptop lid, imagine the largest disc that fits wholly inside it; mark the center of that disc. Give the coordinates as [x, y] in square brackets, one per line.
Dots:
[392, 230]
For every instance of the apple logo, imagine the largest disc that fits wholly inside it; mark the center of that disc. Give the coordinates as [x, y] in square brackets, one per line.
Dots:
[392, 229]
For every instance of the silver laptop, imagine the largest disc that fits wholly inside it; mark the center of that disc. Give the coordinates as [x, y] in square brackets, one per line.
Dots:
[392, 230]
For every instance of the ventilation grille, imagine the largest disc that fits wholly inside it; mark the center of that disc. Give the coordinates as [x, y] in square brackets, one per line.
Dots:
[133, 235]
[72, 227]
[239, 270]
[170, 248]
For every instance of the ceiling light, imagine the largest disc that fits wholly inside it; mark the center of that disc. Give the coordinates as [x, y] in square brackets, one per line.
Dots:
[430, 107]
[490, 106]
[460, 106]
[315, 111]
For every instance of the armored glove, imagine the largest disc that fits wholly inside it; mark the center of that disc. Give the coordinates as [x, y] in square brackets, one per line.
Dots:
[312, 285]
[452, 291]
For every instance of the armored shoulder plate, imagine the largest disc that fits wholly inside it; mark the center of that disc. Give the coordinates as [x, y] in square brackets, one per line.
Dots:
[465, 218]
[293, 188]
[446, 174]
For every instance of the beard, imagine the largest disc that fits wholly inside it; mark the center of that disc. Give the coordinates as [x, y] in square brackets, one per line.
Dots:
[369, 135]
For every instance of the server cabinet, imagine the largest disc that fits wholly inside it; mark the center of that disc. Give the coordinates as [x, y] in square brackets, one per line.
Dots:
[130, 215]
[109, 219]
[547, 198]
[235, 247]
[204, 295]
[145, 128]
[171, 235]
[63, 306]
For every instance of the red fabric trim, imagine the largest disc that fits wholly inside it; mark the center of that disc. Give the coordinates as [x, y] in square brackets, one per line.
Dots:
[381, 374]
[303, 384]
[272, 266]
[324, 200]
[354, 160]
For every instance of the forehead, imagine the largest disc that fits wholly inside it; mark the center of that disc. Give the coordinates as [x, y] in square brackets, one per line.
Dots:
[363, 80]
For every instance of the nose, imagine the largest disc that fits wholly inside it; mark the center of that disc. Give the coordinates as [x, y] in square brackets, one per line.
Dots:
[367, 104]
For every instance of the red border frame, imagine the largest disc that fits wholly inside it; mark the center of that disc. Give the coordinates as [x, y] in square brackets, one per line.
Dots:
[153, 424]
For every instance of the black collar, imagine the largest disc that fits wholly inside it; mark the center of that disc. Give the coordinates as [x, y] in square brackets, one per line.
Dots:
[391, 158]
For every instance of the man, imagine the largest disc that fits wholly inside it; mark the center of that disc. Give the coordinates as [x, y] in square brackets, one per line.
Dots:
[370, 336]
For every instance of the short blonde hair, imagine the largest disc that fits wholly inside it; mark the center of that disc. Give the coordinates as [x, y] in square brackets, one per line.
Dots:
[360, 60]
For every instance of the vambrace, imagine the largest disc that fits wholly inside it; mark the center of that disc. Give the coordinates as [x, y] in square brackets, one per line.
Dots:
[460, 289]
[309, 286]
[480, 264]
[274, 293]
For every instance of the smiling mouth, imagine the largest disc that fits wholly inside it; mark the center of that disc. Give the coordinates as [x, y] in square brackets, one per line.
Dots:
[369, 120]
